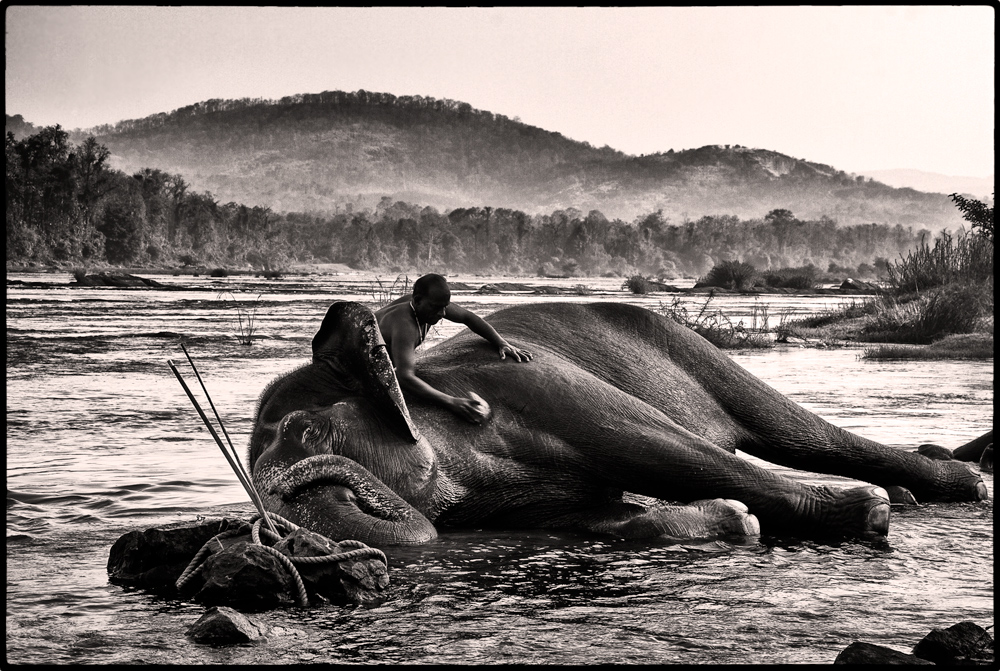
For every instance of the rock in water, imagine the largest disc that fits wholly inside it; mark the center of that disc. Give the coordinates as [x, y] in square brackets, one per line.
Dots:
[244, 576]
[963, 643]
[868, 653]
[354, 581]
[155, 558]
[221, 625]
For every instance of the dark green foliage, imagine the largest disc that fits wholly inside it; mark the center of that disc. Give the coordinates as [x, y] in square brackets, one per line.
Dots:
[637, 284]
[965, 346]
[735, 275]
[977, 213]
[803, 277]
[962, 259]
[219, 272]
[968, 257]
[64, 204]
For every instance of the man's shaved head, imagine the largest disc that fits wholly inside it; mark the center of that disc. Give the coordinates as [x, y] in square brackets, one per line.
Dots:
[429, 282]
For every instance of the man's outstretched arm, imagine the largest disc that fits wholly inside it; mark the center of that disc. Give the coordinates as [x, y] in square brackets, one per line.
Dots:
[404, 358]
[480, 327]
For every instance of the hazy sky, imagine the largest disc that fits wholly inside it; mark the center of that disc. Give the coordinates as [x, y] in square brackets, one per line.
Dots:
[859, 88]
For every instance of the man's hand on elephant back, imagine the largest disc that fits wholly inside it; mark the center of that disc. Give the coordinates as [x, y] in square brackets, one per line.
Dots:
[473, 409]
[515, 353]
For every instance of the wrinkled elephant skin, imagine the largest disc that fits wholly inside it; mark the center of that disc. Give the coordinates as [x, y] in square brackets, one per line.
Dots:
[617, 399]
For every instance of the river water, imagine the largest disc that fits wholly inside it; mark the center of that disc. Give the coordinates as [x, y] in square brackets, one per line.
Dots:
[101, 440]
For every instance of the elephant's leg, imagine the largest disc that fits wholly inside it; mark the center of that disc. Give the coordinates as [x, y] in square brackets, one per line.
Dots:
[783, 432]
[671, 464]
[702, 389]
[708, 519]
[973, 450]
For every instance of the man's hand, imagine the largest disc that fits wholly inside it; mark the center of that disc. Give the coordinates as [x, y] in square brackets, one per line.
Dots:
[519, 354]
[473, 410]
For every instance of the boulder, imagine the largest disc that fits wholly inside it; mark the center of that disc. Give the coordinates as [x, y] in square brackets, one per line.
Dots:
[116, 280]
[869, 653]
[221, 626]
[156, 557]
[244, 576]
[935, 452]
[858, 286]
[965, 643]
[354, 581]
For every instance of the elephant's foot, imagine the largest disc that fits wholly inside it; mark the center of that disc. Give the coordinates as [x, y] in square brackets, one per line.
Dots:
[715, 518]
[860, 511]
[949, 481]
[900, 495]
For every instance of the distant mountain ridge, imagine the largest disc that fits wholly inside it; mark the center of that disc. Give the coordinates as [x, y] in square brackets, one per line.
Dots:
[319, 152]
[933, 182]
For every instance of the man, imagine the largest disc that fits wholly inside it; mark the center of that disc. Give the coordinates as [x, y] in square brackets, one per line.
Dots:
[404, 324]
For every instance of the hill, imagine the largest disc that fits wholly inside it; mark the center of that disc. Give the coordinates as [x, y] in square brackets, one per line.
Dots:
[932, 182]
[321, 152]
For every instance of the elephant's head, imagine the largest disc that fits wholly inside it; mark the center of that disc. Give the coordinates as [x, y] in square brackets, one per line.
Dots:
[345, 458]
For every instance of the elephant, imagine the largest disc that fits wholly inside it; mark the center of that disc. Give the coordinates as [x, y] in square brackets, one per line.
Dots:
[625, 423]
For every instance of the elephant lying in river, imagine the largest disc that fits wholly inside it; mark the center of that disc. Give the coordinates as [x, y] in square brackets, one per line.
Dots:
[618, 399]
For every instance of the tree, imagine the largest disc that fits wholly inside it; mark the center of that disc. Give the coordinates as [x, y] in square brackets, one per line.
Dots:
[977, 213]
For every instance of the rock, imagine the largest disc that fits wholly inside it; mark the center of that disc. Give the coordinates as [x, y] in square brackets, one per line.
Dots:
[935, 452]
[156, 557]
[245, 576]
[857, 286]
[986, 461]
[963, 643]
[363, 581]
[868, 653]
[221, 625]
[488, 289]
[116, 280]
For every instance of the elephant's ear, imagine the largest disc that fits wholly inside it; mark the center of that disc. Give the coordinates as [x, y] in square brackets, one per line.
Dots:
[349, 340]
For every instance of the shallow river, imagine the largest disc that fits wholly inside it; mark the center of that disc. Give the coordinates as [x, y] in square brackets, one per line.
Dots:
[101, 440]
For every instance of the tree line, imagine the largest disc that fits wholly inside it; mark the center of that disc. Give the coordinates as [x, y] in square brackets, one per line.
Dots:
[66, 204]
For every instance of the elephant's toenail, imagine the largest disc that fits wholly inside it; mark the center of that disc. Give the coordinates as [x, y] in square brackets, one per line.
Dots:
[878, 491]
[878, 519]
[981, 491]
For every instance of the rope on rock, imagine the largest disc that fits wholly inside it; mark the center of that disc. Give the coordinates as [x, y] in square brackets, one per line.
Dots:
[360, 552]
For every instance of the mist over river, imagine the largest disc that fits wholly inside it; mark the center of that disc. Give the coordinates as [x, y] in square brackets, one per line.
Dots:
[101, 440]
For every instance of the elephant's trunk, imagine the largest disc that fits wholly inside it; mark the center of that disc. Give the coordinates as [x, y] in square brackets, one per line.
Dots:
[337, 497]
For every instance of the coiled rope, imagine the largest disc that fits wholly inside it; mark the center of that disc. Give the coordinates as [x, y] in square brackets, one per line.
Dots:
[360, 552]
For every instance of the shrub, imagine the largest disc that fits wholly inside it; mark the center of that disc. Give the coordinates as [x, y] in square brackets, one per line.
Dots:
[967, 258]
[384, 293]
[582, 290]
[803, 277]
[79, 274]
[246, 316]
[921, 319]
[219, 272]
[718, 329]
[735, 275]
[637, 284]
[964, 346]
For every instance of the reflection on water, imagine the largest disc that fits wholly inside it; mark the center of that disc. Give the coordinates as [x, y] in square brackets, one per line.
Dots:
[101, 440]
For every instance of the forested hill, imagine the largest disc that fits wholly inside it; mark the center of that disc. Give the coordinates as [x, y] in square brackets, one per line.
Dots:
[319, 152]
